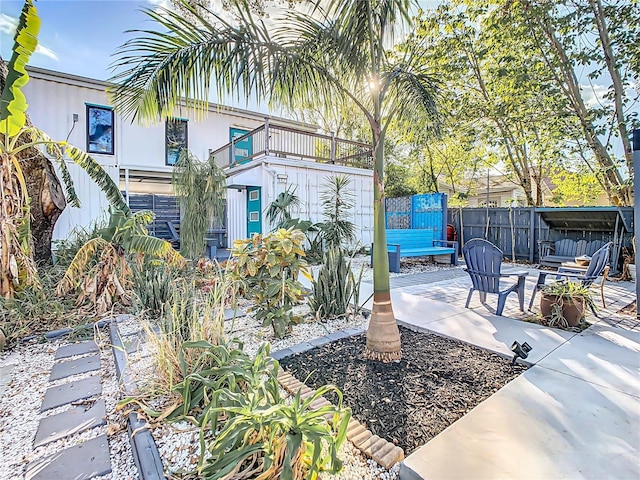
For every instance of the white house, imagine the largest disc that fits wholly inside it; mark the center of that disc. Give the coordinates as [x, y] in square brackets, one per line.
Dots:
[270, 154]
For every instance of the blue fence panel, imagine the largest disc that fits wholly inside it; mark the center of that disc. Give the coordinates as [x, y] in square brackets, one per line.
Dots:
[428, 211]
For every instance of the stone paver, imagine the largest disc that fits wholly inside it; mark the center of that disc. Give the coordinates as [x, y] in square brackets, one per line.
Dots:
[70, 392]
[81, 348]
[69, 422]
[81, 462]
[75, 367]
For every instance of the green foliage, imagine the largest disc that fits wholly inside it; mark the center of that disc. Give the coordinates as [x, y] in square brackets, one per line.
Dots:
[335, 288]
[337, 202]
[65, 250]
[201, 188]
[12, 101]
[396, 182]
[191, 315]
[246, 426]
[279, 211]
[101, 265]
[152, 286]
[266, 268]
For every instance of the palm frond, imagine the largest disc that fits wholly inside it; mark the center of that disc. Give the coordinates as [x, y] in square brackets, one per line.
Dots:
[78, 266]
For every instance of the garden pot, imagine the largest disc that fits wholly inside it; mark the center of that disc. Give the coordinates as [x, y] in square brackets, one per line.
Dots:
[572, 308]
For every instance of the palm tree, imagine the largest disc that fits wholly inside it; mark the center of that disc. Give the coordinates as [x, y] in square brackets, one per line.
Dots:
[341, 51]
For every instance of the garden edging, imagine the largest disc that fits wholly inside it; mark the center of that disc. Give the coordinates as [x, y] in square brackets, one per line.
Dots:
[145, 451]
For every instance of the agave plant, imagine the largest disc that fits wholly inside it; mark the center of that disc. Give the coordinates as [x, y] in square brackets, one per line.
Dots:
[17, 268]
[108, 280]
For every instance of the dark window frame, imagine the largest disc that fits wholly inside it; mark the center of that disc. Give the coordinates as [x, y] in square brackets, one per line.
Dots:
[182, 121]
[89, 107]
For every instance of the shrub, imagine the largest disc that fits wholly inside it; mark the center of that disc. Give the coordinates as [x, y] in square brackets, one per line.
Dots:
[266, 269]
[246, 426]
[336, 286]
[337, 201]
[152, 280]
[192, 315]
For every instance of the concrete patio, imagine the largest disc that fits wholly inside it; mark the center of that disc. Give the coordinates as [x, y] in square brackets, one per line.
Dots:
[574, 414]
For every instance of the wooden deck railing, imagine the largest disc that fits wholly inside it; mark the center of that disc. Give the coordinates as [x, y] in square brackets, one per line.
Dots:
[286, 142]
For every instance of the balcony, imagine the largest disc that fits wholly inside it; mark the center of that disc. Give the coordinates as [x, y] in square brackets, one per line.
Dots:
[284, 142]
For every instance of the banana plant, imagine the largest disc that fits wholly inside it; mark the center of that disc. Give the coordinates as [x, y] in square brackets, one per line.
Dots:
[17, 268]
[106, 280]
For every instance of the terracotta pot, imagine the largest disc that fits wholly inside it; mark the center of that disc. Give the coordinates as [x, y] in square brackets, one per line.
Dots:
[572, 308]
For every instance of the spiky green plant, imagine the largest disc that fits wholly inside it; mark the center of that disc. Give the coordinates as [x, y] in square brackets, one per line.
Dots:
[337, 202]
[336, 287]
[152, 282]
[201, 188]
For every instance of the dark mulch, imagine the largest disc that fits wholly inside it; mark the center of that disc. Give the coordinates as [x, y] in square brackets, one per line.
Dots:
[409, 402]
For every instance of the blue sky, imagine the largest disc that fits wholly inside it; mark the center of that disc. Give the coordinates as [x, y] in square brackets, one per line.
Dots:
[76, 37]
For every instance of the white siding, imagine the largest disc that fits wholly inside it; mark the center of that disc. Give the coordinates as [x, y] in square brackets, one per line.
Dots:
[308, 178]
[55, 97]
[94, 204]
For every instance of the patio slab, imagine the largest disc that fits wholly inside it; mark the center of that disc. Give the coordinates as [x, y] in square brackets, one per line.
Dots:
[603, 355]
[544, 424]
[490, 332]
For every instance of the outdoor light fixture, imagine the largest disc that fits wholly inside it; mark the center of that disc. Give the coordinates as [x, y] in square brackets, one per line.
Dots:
[282, 177]
[521, 351]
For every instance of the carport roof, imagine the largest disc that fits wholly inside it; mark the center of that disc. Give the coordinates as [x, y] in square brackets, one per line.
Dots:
[587, 219]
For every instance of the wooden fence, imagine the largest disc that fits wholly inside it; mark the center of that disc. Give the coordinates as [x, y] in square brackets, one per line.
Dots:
[516, 231]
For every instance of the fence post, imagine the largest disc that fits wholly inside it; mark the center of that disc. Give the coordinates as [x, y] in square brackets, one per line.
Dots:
[636, 208]
[233, 150]
[266, 136]
[333, 147]
[532, 234]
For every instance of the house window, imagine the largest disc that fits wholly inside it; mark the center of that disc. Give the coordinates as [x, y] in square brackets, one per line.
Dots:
[99, 130]
[253, 195]
[253, 217]
[176, 138]
[492, 204]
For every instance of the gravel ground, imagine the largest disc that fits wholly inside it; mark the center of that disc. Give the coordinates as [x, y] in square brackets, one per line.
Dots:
[20, 411]
[408, 266]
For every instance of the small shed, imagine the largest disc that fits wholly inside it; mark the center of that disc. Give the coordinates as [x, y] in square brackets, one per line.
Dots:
[611, 224]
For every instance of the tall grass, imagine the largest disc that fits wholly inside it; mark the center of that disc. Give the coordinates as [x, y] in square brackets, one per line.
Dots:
[192, 315]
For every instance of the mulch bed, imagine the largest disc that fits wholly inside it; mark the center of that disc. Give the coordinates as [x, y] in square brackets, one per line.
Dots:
[409, 402]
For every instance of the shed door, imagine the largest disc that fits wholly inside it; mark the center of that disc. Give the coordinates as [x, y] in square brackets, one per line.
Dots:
[254, 208]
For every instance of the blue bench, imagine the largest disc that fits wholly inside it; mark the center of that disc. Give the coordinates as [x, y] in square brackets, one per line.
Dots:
[403, 243]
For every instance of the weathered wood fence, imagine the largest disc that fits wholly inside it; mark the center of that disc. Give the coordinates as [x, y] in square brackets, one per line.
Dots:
[517, 230]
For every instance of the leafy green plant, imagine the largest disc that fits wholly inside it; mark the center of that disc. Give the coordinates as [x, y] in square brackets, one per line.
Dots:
[336, 287]
[337, 202]
[66, 249]
[565, 292]
[247, 429]
[17, 268]
[201, 187]
[108, 279]
[266, 269]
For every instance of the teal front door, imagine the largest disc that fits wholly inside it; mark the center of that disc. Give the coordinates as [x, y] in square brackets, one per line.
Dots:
[254, 209]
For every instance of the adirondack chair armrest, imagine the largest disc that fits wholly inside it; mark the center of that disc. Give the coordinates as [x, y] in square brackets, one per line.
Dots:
[483, 274]
[522, 273]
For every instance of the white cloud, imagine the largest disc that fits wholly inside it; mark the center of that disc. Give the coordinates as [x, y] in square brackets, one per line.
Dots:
[8, 24]
[47, 52]
[594, 95]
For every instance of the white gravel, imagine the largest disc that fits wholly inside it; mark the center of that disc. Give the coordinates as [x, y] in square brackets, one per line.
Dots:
[28, 380]
[407, 267]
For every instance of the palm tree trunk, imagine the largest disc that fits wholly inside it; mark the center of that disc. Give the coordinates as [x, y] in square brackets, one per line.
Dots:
[383, 336]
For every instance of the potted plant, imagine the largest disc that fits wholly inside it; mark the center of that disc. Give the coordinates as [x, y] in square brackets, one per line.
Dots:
[563, 303]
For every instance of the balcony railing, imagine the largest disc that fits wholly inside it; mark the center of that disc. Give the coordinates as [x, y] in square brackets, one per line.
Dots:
[286, 142]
